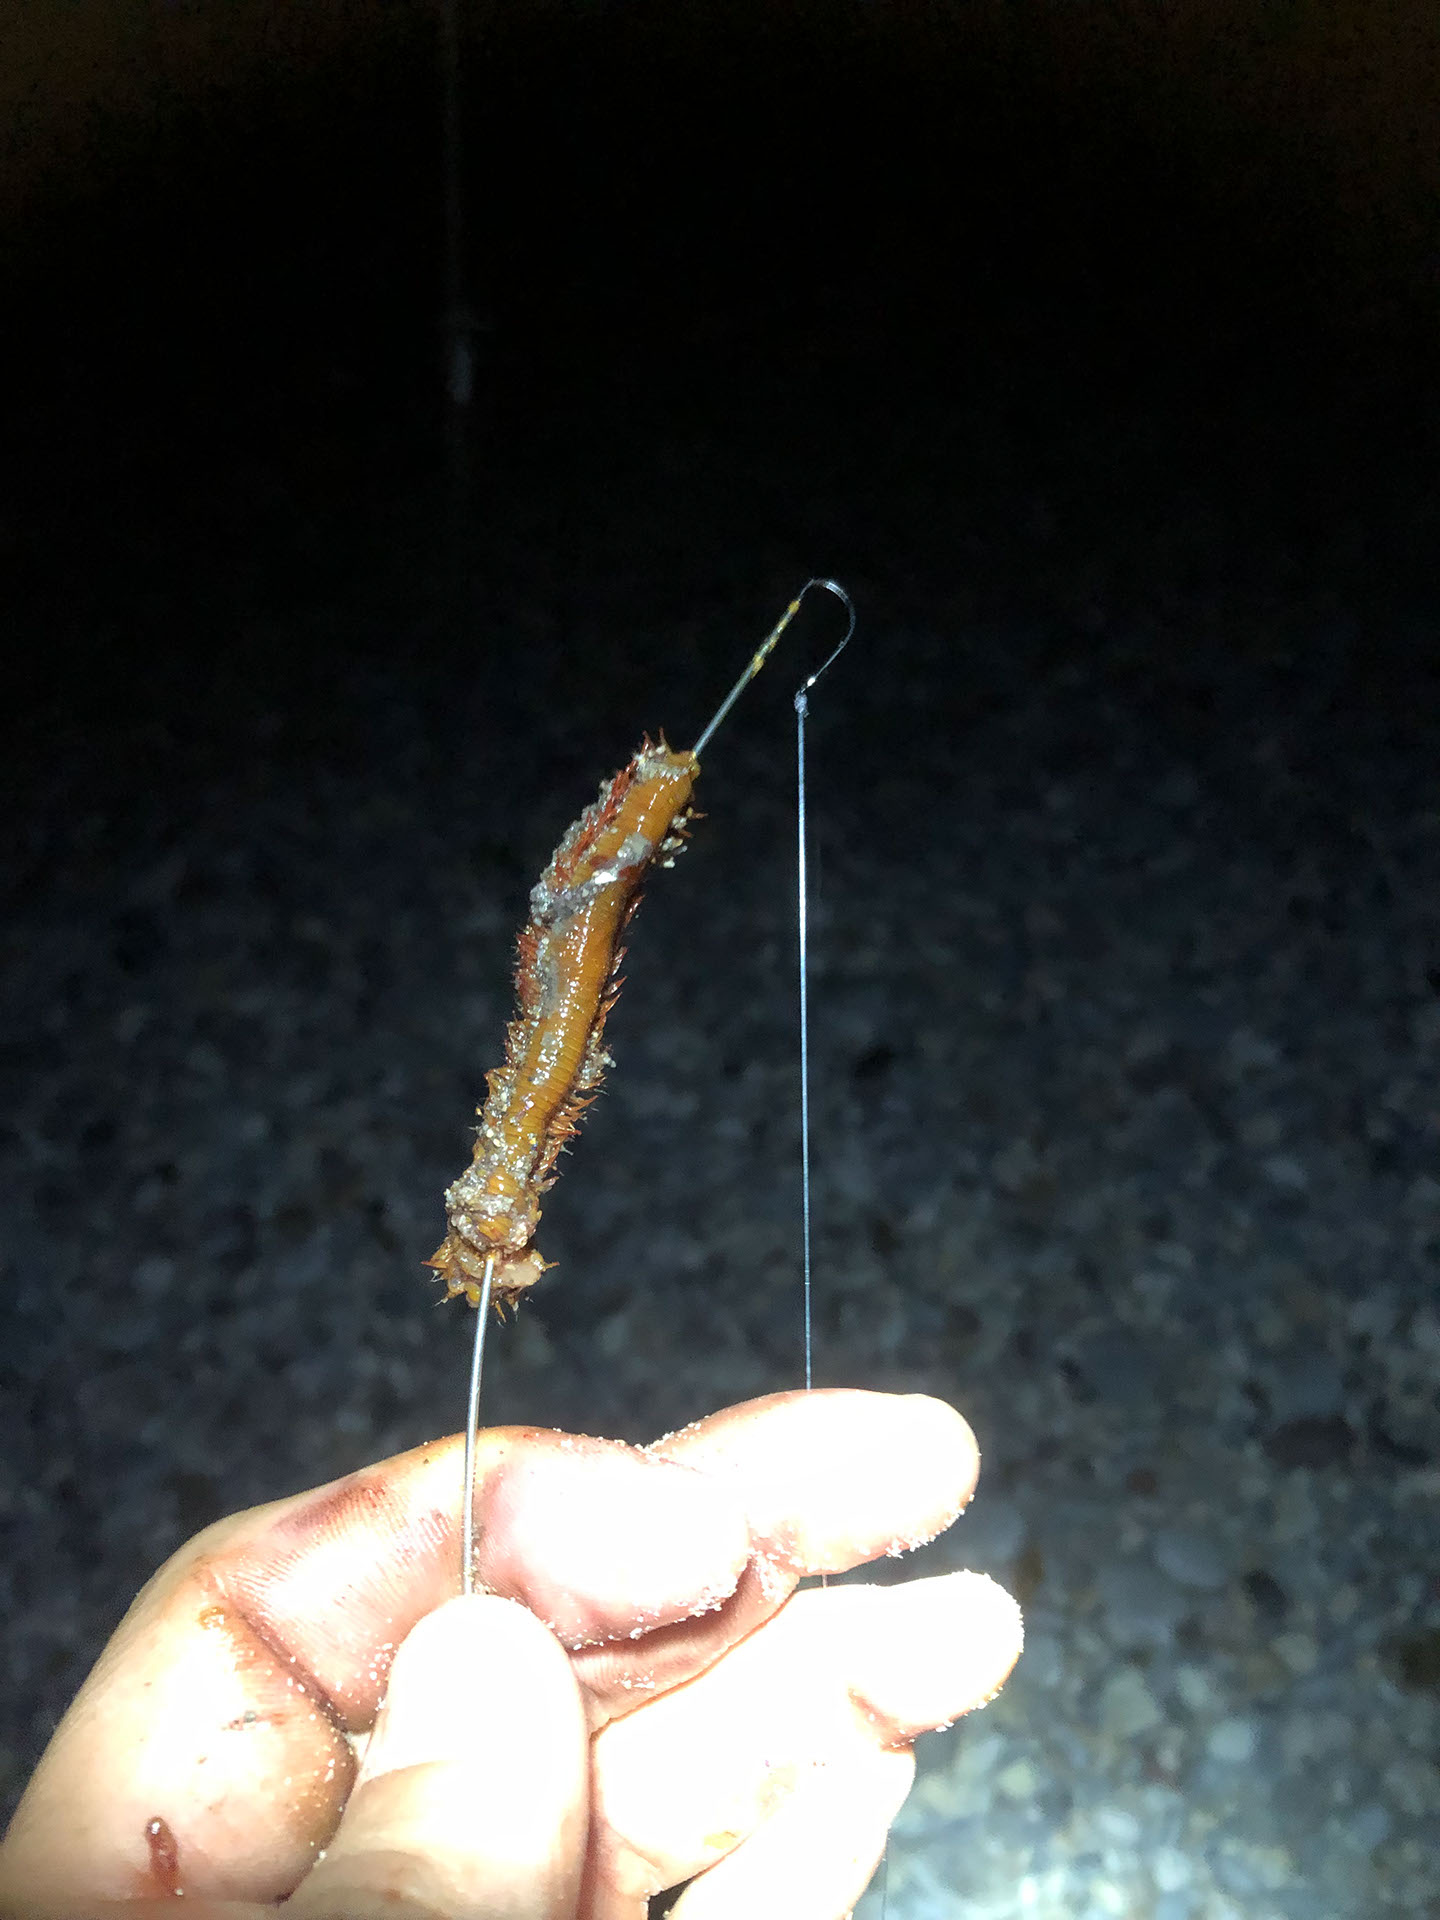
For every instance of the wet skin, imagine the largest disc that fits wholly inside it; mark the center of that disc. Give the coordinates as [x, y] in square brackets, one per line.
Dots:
[638, 1697]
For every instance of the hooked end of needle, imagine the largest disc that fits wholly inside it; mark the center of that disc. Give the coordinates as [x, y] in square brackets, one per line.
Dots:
[763, 651]
[830, 586]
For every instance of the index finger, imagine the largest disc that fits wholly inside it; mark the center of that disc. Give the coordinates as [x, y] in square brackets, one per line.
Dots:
[837, 1477]
[828, 1480]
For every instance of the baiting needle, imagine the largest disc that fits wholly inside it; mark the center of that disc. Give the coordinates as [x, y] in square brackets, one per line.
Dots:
[477, 1356]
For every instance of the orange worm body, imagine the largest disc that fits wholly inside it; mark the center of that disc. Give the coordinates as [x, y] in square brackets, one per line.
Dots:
[566, 983]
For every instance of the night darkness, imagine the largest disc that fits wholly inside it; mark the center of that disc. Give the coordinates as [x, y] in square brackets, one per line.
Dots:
[1094, 349]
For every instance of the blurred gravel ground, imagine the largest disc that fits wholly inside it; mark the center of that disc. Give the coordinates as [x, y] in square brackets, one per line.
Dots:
[1126, 1033]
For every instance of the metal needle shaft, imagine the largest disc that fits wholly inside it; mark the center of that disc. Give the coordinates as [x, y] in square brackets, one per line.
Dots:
[472, 1428]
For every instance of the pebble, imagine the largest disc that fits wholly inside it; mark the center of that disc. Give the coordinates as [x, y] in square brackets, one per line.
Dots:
[1018, 1781]
[1299, 1651]
[1285, 1171]
[1197, 1689]
[1190, 1559]
[1127, 1706]
[1108, 1898]
[1170, 1869]
[1305, 1737]
[1343, 1604]
[992, 1532]
[1367, 1827]
[1312, 1388]
[1245, 1868]
[1233, 1741]
[1118, 1826]
[1142, 1606]
[1044, 1661]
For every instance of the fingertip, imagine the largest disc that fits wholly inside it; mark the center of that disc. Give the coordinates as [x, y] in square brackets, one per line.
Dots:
[477, 1662]
[839, 1476]
[941, 1648]
[943, 1436]
[472, 1796]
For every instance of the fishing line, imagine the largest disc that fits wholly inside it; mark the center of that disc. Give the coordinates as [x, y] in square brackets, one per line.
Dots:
[802, 910]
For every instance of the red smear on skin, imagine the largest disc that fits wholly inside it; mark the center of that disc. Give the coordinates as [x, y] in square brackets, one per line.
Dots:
[386, 1564]
[164, 1858]
[286, 1704]
[360, 1500]
[326, 1590]
[252, 1655]
[333, 1585]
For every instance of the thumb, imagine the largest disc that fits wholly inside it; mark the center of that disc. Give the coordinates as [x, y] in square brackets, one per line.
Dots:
[472, 1800]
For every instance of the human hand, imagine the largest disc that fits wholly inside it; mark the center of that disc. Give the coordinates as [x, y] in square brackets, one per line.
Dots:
[251, 1736]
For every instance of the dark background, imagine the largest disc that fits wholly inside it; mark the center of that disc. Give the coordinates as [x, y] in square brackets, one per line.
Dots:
[1093, 348]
